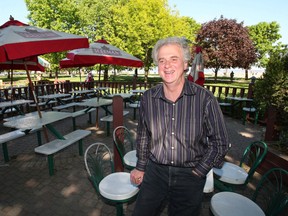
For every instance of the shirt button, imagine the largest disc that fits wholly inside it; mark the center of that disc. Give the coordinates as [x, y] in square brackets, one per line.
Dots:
[172, 147]
[173, 119]
[172, 162]
[172, 133]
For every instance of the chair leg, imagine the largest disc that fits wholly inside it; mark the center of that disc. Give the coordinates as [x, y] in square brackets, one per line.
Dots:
[256, 117]
[80, 147]
[108, 128]
[244, 115]
[134, 114]
[5, 152]
[220, 186]
[119, 207]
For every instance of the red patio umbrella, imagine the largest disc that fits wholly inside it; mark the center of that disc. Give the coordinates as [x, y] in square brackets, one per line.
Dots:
[197, 69]
[68, 63]
[19, 40]
[31, 63]
[101, 52]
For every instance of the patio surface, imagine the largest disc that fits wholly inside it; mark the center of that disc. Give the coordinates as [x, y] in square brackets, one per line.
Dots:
[26, 189]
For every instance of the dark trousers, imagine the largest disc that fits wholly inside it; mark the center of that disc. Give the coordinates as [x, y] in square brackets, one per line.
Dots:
[177, 185]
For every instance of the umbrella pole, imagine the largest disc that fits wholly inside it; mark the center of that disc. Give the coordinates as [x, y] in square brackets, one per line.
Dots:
[80, 73]
[36, 101]
[99, 74]
[11, 82]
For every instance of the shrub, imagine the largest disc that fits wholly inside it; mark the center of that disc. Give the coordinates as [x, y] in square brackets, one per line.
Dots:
[272, 90]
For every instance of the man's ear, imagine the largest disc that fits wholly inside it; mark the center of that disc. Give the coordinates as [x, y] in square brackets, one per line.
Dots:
[185, 66]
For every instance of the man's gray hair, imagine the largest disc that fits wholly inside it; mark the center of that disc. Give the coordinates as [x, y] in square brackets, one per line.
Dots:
[182, 42]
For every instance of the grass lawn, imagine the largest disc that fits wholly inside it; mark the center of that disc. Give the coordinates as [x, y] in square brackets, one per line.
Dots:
[22, 80]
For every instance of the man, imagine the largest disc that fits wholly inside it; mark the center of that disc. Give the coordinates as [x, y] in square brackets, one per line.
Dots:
[181, 135]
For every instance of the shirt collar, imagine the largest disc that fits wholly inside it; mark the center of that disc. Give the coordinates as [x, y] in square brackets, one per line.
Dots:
[188, 89]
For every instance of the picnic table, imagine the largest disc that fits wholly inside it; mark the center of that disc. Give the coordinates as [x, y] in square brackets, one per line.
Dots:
[51, 97]
[5, 106]
[96, 103]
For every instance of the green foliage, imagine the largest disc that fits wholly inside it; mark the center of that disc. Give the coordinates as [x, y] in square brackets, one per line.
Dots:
[133, 26]
[272, 90]
[59, 15]
[264, 36]
[226, 44]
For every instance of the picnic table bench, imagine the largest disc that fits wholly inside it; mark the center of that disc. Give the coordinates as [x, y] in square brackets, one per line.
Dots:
[51, 148]
[5, 138]
[108, 119]
[65, 106]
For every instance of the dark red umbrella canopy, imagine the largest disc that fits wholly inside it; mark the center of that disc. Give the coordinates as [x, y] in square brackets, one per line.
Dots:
[19, 40]
[101, 52]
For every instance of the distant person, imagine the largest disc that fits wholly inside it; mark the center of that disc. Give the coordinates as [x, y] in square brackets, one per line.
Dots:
[181, 135]
[89, 77]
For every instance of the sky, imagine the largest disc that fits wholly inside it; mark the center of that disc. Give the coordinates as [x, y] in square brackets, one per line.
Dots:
[251, 12]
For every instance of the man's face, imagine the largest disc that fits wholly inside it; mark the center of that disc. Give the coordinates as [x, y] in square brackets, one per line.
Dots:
[171, 63]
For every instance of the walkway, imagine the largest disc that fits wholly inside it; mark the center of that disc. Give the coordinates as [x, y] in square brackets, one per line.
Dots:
[26, 189]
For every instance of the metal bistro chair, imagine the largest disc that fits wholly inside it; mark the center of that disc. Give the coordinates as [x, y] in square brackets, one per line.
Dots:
[114, 187]
[230, 175]
[270, 198]
[125, 146]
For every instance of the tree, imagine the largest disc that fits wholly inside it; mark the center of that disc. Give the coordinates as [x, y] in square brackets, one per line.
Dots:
[226, 44]
[133, 26]
[264, 36]
[59, 15]
[272, 89]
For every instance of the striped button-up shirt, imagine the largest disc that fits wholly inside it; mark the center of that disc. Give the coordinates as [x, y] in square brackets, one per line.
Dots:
[189, 132]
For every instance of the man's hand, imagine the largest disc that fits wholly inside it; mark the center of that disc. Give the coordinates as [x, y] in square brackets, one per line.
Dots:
[136, 176]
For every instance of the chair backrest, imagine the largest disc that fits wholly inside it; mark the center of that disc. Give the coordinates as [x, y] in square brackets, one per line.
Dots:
[123, 140]
[253, 156]
[98, 163]
[271, 193]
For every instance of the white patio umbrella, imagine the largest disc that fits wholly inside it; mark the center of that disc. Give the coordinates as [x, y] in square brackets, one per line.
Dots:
[100, 52]
[197, 69]
[19, 41]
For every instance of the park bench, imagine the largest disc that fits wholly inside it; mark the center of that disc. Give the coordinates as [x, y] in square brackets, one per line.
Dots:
[5, 138]
[51, 148]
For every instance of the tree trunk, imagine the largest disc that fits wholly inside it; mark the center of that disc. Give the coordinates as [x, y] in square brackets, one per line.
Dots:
[106, 74]
[216, 73]
[146, 76]
[246, 74]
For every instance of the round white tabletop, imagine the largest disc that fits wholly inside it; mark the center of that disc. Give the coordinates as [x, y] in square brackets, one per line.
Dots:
[130, 158]
[229, 203]
[231, 173]
[117, 186]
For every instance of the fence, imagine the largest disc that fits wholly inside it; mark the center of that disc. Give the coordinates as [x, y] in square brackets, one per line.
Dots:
[114, 87]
